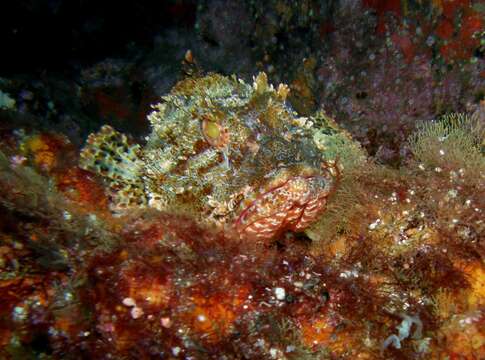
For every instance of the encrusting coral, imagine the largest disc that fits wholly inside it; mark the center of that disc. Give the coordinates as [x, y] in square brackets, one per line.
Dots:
[226, 151]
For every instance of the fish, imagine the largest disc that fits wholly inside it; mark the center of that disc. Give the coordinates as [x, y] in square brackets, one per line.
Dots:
[232, 154]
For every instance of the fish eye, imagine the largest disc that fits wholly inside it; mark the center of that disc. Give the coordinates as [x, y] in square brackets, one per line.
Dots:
[215, 134]
[211, 130]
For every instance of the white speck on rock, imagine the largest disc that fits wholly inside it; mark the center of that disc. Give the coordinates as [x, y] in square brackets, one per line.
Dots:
[175, 351]
[280, 293]
[129, 302]
[136, 312]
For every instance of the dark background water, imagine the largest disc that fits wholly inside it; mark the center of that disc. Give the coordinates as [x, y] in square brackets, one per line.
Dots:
[58, 35]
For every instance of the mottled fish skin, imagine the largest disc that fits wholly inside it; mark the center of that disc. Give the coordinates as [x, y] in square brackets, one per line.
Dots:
[232, 154]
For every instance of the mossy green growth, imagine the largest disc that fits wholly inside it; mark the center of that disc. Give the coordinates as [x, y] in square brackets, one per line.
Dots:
[337, 144]
[454, 142]
[6, 102]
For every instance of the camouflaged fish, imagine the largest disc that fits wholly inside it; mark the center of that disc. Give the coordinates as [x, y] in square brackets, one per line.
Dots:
[234, 153]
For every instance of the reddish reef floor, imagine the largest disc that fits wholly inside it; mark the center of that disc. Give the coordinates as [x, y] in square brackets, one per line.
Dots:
[394, 268]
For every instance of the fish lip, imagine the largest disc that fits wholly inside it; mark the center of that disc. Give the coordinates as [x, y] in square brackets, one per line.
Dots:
[320, 196]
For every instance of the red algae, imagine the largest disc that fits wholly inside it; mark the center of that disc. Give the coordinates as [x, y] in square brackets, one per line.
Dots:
[82, 188]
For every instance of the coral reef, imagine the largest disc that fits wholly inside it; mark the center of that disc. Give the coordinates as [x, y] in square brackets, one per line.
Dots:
[392, 269]
[338, 217]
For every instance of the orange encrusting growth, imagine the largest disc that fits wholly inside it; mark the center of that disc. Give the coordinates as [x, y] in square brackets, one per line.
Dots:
[47, 150]
[212, 317]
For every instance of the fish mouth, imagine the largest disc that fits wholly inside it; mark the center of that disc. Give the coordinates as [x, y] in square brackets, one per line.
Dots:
[292, 205]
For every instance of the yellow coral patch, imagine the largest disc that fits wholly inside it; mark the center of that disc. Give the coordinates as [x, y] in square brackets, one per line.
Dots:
[476, 276]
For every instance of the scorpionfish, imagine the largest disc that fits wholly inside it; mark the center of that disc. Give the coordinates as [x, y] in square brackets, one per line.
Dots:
[231, 153]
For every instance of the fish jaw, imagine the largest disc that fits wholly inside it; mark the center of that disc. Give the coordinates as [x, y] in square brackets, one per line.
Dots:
[291, 206]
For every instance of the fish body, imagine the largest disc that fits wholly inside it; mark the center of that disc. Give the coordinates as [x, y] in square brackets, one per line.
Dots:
[234, 154]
